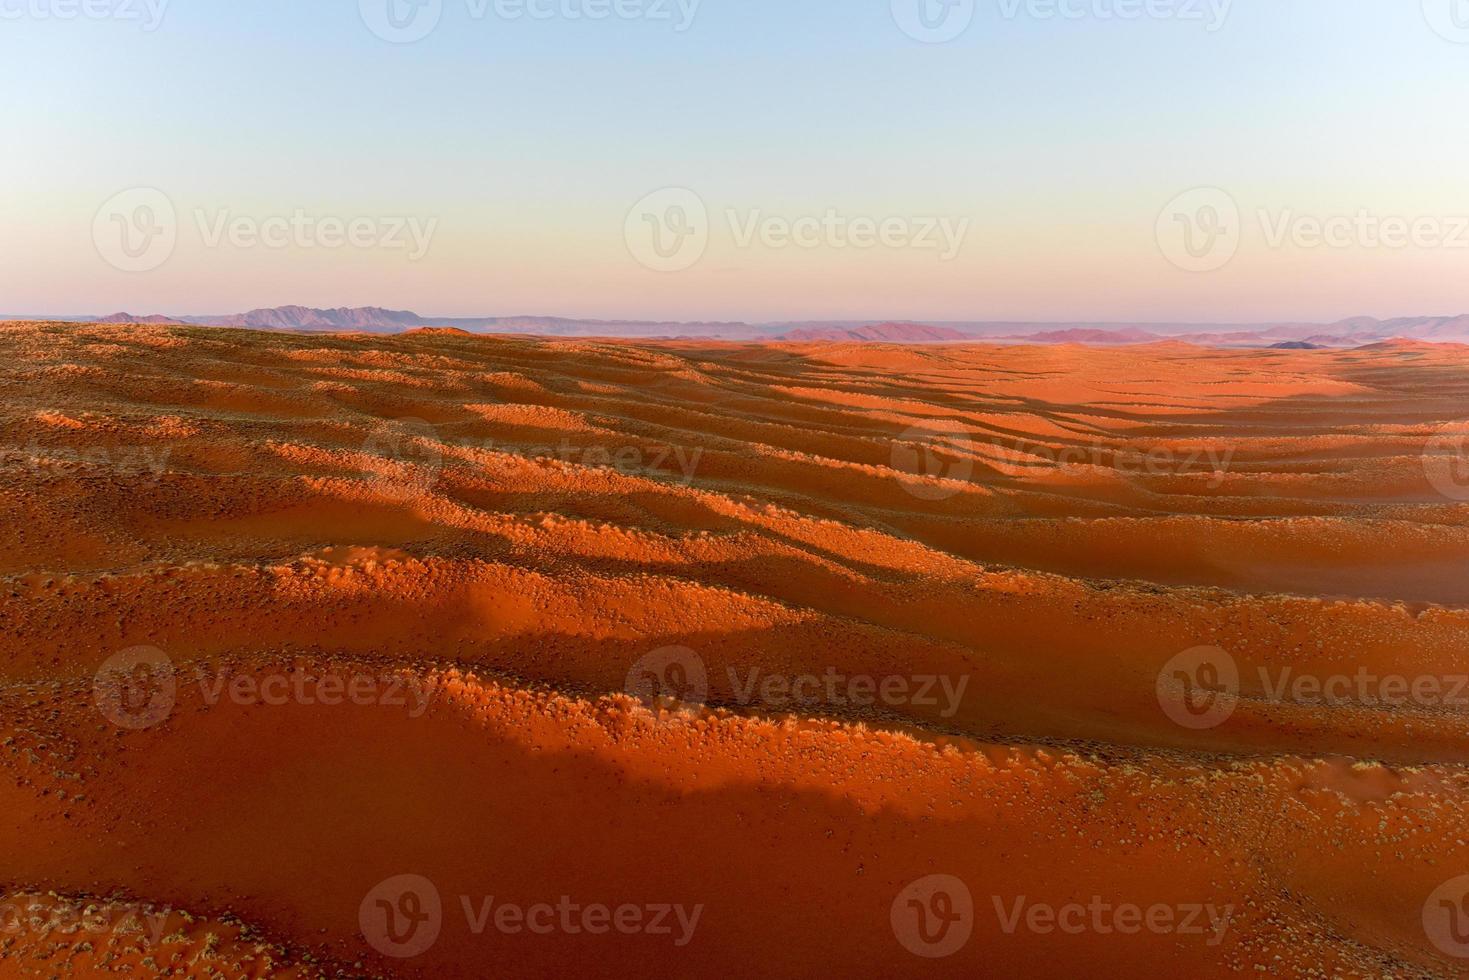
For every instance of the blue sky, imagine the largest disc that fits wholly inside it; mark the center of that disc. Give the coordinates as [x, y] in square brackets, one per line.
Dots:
[1058, 139]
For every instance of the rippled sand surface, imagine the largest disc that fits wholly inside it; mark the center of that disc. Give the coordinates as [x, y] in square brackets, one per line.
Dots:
[854, 660]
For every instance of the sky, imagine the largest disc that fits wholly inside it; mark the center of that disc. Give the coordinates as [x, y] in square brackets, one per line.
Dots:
[1213, 161]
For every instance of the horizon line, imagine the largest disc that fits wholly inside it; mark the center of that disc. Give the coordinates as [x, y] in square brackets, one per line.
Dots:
[83, 317]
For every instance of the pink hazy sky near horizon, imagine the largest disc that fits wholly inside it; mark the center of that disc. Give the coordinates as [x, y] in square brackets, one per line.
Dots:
[1207, 161]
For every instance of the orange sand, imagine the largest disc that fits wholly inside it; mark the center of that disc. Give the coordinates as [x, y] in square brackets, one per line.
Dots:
[253, 504]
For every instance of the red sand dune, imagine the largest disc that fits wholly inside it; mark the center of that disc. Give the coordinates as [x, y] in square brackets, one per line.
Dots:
[405, 619]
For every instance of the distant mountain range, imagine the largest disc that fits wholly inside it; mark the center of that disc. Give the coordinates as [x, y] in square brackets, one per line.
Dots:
[1353, 332]
[1090, 335]
[885, 333]
[1345, 333]
[129, 318]
[372, 319]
